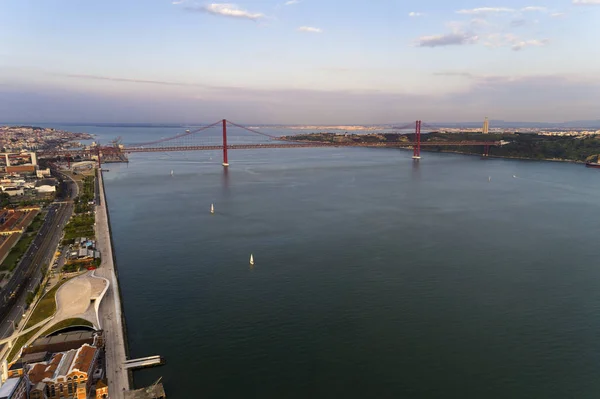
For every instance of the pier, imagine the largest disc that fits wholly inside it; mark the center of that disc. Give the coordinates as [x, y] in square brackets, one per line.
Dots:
[143, 362]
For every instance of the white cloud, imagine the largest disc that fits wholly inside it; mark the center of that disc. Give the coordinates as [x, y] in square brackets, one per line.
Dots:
[586, 2]
[226, 10]
[519, 45]
[514, 42]
[485, 10]
[291, 2]
[534, 8]
[450, 39]
[415, 14]
[178, 2]
[557, 14]
[310, 29]
[479, 22]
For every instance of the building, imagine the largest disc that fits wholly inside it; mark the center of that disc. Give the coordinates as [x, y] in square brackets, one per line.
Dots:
[14, 388]
[12, 190]
[25, 169]
[66, 375]
[62, 343]
[486, 126]
[19, 158]
[101, 390]
[41, 173]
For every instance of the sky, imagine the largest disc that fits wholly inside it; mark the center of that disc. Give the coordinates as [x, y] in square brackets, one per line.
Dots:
[299, 61]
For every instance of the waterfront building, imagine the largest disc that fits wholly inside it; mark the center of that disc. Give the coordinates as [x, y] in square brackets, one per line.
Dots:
[14, 388]
[486, 126]
[101, 390]
[65, 375]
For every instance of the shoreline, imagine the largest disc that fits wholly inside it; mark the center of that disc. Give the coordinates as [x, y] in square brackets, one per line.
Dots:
[116, 272]
[116, 345]
[501, 156]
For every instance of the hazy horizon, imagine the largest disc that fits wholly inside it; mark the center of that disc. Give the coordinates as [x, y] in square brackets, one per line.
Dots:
[299, 61]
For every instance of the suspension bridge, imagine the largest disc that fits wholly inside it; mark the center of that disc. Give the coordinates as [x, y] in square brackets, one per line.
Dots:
[194, 140]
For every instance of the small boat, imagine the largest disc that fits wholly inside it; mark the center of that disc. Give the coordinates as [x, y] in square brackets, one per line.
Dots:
[515, 176]
[171, 172]
[489, 178]
[212, 208]
[251, 259]
[592, 165]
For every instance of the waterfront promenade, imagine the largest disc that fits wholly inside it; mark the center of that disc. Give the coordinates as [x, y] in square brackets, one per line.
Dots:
[111, 317]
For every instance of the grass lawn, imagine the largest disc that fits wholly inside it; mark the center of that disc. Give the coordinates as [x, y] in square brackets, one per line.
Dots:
[80, 226]
[36, 224]
[11, 260]
[21, 341]
[67, 323]
[46, 307]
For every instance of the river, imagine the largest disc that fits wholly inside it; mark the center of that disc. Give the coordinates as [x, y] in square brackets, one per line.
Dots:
[374, 276]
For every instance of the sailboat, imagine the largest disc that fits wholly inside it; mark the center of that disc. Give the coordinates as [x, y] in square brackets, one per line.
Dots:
[171, 172]
[212, 208]
[489, 178]
[251, 259]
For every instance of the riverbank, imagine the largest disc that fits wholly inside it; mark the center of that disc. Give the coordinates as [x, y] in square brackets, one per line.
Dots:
[111, 309]
[505, 156]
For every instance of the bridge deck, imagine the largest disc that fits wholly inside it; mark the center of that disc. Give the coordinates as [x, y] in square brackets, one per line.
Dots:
[282, 144]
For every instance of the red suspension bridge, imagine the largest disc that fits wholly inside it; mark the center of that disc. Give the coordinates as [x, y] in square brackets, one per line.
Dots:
[192, 140]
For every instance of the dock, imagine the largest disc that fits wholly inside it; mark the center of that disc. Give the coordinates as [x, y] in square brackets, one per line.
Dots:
[155, 391]
[143, 362]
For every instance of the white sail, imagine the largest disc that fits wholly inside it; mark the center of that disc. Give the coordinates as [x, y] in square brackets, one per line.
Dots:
[212, 208]
[251, 259]
[171, 172]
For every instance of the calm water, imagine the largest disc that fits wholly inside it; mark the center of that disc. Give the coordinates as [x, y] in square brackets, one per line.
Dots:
[373, 278]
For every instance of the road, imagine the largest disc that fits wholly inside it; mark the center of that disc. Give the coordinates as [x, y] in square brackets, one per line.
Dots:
[28, 273]
[110, 308]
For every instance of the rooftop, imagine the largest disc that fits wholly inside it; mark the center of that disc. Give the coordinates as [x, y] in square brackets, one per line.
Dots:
[67, 337]
[9, 387]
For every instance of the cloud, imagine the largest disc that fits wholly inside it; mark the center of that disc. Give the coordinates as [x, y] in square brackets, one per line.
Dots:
[509, 40]
[485, 10]
[518, 23]
[310, 29]
[130, 80]
[450, 39]
[534, 8]
[467, 75]
[519, 45]
[178, 2]
[226, 10]
[542, 98]
[586, 2]
[291, 2]
[414, 14]
[557, 14]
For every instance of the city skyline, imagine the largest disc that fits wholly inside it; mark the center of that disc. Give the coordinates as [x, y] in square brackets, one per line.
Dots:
[298, 61]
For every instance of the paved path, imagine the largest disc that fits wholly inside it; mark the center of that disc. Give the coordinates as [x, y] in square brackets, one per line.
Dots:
[18, 334]
[110, 307]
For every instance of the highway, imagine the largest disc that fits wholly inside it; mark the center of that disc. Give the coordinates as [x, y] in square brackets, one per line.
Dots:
[28, 273]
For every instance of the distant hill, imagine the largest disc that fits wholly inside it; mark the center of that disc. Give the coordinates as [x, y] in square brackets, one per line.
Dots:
[589, 124]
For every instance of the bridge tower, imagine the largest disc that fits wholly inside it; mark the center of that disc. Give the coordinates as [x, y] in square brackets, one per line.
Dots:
[225, 162]
[417, 145]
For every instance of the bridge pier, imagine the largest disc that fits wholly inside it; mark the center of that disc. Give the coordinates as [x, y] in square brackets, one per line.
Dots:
[225, 162]
[486, 151]
[417, 146]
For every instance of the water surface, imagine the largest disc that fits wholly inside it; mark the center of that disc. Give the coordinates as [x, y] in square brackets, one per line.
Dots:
[374, 276]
